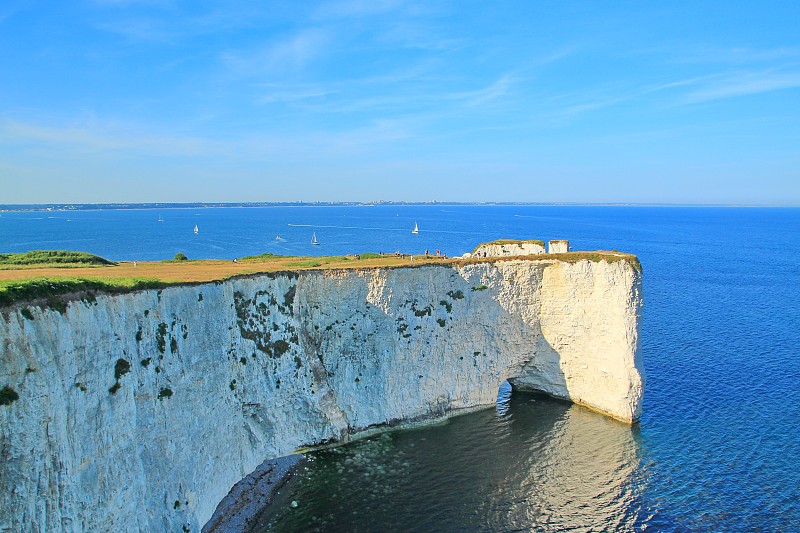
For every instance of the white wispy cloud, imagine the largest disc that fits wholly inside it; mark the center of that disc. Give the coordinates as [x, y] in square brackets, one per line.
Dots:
[742, 84]
[12, 7]
[283, 94]
[682, 92]
[621, 93]
[127, 140]
[710, 76]
[554, 56]
[395, 23]
[149, 29]
[357, 8]
[95, 138]
[732, 55]
[411, 98]
[413, 30]
[494, 91]
[165, 21]
[570, 105]
[359, 140]
[130, 3]
[292, 52]
[392, 88]
[299, 49]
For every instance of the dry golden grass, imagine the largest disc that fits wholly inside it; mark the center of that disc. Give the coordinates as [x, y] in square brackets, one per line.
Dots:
[212, 270]
[208, 270]
[54, 284]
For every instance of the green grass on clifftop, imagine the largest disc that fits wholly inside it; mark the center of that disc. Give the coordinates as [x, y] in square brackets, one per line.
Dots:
[609, 257]
[49, 289]
[262, 257]
[52, 285]
[53, 258]
[567, 257]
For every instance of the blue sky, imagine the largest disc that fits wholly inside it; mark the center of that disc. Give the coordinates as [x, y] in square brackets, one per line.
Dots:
[542, 101]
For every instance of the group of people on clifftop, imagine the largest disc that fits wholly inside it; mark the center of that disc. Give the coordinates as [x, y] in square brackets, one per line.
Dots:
[398, 254]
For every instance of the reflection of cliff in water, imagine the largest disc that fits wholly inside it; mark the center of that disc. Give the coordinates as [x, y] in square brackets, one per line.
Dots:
[539, 465]
[581, 470]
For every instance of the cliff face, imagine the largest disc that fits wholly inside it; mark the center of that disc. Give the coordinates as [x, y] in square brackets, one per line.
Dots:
[222, 376]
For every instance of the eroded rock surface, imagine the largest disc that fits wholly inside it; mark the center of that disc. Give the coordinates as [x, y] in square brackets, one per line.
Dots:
[508, 248]
[140, 411]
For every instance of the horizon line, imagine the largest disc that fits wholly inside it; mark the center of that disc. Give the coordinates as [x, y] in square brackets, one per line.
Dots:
[86, 206]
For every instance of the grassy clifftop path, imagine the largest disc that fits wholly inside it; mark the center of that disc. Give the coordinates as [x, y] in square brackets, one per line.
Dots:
[44, 274]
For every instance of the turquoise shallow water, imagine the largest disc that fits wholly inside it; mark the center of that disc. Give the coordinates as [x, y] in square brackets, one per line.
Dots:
[717, 448]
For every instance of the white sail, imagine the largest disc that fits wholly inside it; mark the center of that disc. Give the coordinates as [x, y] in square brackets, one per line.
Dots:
[416, 229]
[314, 238]
[196, 229]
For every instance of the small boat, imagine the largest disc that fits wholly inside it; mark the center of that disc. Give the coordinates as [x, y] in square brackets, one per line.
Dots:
[416, 229]
[160, 219]
[279, 238]
[314, 239]
[196, 229]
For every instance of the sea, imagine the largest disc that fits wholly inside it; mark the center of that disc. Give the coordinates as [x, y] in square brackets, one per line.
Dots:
[718, 444]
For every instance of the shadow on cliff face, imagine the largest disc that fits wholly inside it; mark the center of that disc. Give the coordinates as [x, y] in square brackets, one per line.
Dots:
[535, 368]
[542, 373]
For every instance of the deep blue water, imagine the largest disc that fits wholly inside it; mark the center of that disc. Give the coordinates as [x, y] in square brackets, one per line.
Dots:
[718, 446]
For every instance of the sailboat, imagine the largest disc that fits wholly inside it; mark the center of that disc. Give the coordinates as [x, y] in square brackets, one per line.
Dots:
[416, 229]
[160, 219]
[314, 239]
[196, 229]
[279, 238]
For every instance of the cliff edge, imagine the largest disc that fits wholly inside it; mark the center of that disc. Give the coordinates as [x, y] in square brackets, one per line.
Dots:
[140, 411]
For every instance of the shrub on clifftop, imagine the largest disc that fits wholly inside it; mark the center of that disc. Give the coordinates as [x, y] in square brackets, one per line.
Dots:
[53, 258]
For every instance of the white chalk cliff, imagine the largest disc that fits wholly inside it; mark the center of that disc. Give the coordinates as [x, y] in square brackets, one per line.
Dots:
[225, 375]
[509, 248]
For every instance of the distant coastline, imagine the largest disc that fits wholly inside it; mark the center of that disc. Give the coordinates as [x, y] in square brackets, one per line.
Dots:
[211, 205]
